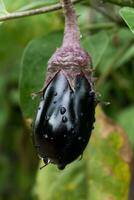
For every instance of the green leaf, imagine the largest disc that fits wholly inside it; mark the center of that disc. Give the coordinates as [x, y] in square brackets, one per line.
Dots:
[129, 54]
[3, 10]
[36, 4]
[126, 119]
[103, 173]
[117, 52]
[96, 46]
[33, 68]
[128, 15]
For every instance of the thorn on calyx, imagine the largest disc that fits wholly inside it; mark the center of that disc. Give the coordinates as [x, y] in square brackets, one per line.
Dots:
[46, 163]
[81, 156]
[43, 166]
[35, 94]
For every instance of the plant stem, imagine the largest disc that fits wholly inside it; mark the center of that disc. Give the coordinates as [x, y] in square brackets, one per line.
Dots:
[71, 32]
[38, 11]
[46, 9]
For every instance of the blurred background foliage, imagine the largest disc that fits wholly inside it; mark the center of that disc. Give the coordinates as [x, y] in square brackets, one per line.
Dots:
[25, 46]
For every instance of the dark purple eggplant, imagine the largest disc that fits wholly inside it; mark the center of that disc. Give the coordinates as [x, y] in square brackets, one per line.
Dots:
[64, 120]
[65, 116]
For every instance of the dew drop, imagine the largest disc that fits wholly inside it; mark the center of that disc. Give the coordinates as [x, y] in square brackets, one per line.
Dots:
[45, 136]
[72, 130]
[79, 138]
[62, 110]
[51, 138]
[65, 136]
[64, 119]
[91, 93]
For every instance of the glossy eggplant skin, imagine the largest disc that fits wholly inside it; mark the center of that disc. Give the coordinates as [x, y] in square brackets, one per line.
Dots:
[64, 120]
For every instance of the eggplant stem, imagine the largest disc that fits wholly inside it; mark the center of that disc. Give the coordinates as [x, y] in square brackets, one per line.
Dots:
[71, 31]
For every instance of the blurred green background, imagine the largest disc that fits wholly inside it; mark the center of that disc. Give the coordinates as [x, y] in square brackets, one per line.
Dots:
[111, 44]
